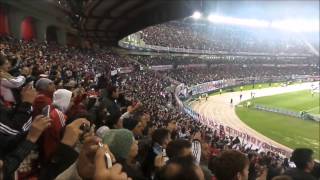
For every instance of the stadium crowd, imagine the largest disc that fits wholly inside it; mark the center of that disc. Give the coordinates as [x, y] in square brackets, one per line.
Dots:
[221, 59]
[220, 37]
[193, 70]
[193, 76]
[65, 114]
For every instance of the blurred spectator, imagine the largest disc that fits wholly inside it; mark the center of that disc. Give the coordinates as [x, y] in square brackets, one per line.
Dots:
[9, 82]
[231, 165]
[125, 149]
[56, 111]
[10, 156]
[180, 168]
[45, 88]
[303, 159]
[160, 140]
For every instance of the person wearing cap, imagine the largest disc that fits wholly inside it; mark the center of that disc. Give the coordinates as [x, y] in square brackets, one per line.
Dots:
[45, 88]
[124, 147]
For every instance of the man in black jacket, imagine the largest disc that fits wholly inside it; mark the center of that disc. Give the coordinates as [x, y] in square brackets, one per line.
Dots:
[110, 100]
[17, 119]
[160, 140]
[12, 158]
[302, 158]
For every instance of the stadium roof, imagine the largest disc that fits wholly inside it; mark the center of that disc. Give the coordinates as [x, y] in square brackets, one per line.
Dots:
[109, 21]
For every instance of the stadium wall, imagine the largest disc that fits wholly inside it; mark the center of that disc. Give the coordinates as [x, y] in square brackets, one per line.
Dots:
[16, 14]
[214, 86]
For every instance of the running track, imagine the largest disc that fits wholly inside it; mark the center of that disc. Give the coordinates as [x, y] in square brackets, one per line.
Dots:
[218, 107]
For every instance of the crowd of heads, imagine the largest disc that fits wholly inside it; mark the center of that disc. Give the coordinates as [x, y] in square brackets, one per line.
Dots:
[193, 76]
[165, 59]
[65, 114]
[228, 38]
[194, 70]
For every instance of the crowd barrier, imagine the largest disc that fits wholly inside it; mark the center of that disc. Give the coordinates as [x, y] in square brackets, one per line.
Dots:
[301, 115]
[278, 110]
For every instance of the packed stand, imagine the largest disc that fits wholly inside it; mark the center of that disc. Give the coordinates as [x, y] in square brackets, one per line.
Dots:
[59, 120]
[157, 60]
[167, 60]
[220, 37]
[195, 70]
[193, 76]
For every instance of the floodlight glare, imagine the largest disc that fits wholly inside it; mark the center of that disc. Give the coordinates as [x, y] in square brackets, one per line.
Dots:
[196, 15]
[237, 21]
[295, 25]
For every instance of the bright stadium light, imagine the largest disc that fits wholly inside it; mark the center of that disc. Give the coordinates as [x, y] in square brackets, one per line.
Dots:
[237, 21]
[296, 25]
[196, 15]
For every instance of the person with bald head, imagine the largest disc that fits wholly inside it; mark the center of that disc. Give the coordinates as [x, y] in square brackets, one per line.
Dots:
[45, 88]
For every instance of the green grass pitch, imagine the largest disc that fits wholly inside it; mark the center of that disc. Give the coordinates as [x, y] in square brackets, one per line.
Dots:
[295, 101]
[292, 132]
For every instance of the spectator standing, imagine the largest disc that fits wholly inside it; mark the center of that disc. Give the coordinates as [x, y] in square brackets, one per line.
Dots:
[45, 88]
[8, 83]
[160, 140]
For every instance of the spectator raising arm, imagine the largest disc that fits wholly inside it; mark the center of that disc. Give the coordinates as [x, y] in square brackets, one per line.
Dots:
[12, 160]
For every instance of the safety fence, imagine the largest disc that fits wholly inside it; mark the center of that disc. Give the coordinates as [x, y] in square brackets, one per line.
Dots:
[278, 110]
[301, 115]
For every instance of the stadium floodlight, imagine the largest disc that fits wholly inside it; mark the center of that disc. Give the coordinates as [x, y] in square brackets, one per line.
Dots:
[196, 15]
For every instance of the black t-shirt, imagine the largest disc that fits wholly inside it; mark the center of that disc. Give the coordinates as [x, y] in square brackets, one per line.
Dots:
[297, 174]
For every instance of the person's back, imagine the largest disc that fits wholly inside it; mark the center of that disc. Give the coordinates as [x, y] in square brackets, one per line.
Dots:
[302, 158]
[52, 136]
[109, 97]
[148, 163]
[297, 174]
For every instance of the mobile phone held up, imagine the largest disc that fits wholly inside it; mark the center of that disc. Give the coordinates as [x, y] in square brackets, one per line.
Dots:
[107, 157]
[46, 111]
